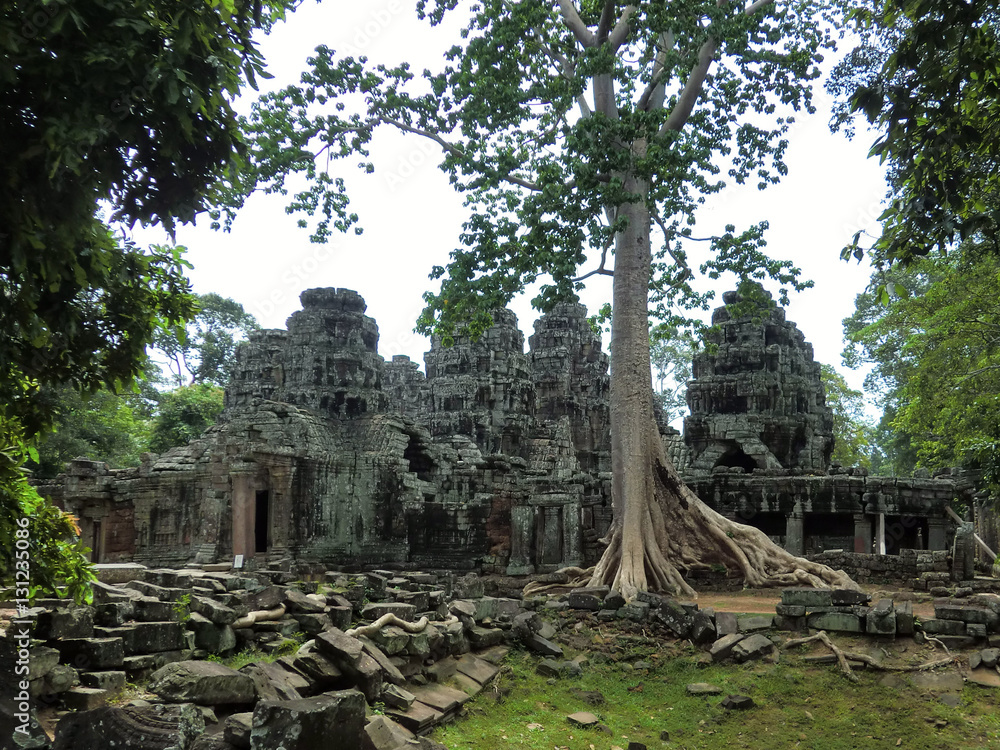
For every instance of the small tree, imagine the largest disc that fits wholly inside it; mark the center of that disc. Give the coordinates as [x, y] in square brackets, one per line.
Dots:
[573, 130]
[853, 432]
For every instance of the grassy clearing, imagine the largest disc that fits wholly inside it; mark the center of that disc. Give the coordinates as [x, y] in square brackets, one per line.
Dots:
[798, 706]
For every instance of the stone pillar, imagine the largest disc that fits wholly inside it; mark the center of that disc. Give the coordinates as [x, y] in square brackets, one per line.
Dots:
[880, 534]
[795, 538]
[522, 532]
[244, 502]
[571, 544]
[862, 533]
[937, 534]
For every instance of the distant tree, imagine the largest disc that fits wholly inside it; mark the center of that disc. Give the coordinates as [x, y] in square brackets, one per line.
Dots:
[853, 432]
[936, 357]
[672, 358]
[102, 425]
[204, 351]
[184, 414]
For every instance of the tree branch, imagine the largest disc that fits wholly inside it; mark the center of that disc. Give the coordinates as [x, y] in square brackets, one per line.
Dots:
[451, 148]
[600, 269]
[620, 32]
[686, 101]
[575, 24]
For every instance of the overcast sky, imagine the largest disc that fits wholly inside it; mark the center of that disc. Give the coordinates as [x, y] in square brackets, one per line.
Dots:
[411, 217]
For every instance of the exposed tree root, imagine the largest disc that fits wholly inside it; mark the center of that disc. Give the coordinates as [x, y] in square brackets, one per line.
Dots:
[844, 657]
[391, 619]
[260, 615]
[672, 531]
[573, 578]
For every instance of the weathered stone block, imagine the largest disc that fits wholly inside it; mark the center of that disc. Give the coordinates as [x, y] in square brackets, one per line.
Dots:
[72, 622]
[836, 621]
[402, 610]
[147, 637]
[130, 728]
[807, 597]
[753, 647]
[942, 627]
[206, 683]
[213, 611]
[91, 653]
[306, 724]
[111, 681]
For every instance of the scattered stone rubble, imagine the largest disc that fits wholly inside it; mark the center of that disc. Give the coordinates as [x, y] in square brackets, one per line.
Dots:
[163, 626]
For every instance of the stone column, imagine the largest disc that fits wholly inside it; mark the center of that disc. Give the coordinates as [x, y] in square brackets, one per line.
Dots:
[862, 533]
[522, 532]
[880, 534]
[571, 544]
[795, 539]
[937, 534]
[244, 501]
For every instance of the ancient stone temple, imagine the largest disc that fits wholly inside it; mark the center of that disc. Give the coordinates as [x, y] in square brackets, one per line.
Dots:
[494, 458]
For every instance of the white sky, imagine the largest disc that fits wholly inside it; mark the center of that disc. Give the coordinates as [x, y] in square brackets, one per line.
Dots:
[412, 218]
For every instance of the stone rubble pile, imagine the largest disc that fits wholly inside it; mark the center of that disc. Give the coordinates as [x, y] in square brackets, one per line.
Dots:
[166, 623]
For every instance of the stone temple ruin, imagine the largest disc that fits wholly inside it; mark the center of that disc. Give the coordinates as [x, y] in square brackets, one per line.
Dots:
[494, 459]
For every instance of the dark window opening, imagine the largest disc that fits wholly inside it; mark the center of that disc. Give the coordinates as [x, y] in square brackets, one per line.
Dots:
[416, 456]
[825, 531]
[95, 546]
[736, 457]
[773, 524]
[261, 517]
[904, 532]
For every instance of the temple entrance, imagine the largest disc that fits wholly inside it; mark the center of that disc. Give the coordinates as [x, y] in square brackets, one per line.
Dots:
[95, 544]
[262, 517]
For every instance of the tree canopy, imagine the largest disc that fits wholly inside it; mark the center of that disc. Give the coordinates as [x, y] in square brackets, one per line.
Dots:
[123, 105]
[926, 76]
[573, 129]
[853, 433]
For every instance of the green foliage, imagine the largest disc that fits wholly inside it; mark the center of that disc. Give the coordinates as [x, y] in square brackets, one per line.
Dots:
[35, 536]
[102, 425]
[545, 112]
[926, 77]
[672, 357]
[184, 413]
[852, 430]
[203, 352]
[936, 356]
[182, 608]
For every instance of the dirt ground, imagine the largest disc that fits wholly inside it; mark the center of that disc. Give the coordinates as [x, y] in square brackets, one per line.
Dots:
[762, 601]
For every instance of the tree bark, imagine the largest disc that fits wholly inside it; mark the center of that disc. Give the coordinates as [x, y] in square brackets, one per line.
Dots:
[660, 528]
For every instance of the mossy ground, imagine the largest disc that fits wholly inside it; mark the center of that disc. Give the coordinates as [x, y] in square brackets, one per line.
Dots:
[799, 705]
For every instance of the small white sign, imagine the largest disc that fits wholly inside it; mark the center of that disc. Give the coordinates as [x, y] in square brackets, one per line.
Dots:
[238, 562]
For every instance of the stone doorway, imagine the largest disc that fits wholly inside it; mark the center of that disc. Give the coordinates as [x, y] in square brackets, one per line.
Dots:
[262, 521]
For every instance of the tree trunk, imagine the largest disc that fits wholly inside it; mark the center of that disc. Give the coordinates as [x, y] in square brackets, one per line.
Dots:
[660, 527]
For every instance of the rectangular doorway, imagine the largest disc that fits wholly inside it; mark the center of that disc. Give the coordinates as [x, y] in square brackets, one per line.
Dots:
[262, 516]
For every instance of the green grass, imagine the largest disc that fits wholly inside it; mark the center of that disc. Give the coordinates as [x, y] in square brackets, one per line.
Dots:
[253, 654]
[798, 706]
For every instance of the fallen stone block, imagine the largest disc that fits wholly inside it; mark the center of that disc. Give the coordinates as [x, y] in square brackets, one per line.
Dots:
[203, 682]
[840, 622]
[111, 681]
[751, 623]
[332, 721]
[722, 649]
[237, 730]
[91, 653]
[807, 597]
[73, 622]
[542, 646]
[934, 626]
[402, 610]
[213, 611]
[130, 728]
[753, 647]
[147, 637]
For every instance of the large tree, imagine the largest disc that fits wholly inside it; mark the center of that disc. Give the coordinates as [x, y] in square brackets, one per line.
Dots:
[203, 351]
[573, 129]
